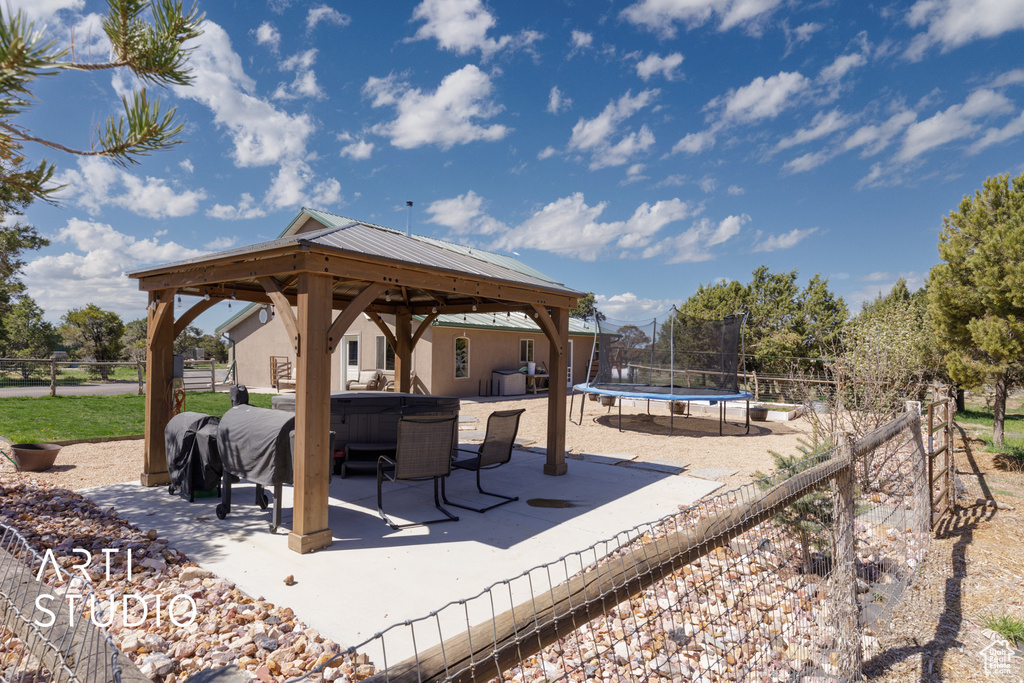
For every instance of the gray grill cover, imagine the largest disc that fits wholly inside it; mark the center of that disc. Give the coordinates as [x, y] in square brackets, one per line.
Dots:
[255, 444]
[193, 461]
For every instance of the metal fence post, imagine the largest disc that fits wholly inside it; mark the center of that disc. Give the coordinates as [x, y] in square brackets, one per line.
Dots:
[845, 583]
[950, 462]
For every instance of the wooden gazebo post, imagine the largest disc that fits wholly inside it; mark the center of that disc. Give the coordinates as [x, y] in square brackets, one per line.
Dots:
[556, 329]
[311, 466]
[159, 371]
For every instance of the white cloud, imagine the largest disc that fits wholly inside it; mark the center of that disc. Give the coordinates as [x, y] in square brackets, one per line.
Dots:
[660, 16]
[958, 121]
[557, 102]
[445, 117]
[358, 149]
[954, 23]
[823, 124]
[296, 185]
[595, 135]
[762, 98]
[654, 64]
[261, 133]
[547, 153]
[42, 11]
[221, 243]
[93, 269]
[875, 138]
[1012, 77]
[629, 306]
[997, 136]
[735, 190]
[800, 35]
[581, 40]
[246, 208]
[186, 165]
[267, 34]
[304, 84]
[695, 143]
[842, 65]
[97, 183]
[806, 162]
[321, 14]
[786, 240]
[464, 215]
[693, 245]
[462, 25]
[569, 227]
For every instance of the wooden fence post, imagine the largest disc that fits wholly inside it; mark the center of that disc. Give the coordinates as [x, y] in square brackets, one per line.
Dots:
[844, 588]
[142, 376]
[213, 375]
[53, 376]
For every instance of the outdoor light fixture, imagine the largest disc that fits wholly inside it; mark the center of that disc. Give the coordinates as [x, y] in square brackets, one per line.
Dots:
[179, 299]
[387, 295]
[434, 309]
[206, 295]
[474, 306]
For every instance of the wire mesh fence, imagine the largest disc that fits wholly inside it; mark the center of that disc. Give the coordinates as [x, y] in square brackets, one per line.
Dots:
[49, 622]
[789, 577]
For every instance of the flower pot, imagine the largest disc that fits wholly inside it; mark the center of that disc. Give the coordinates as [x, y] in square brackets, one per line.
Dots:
[34, 457]
[758, 413]
[608, 401]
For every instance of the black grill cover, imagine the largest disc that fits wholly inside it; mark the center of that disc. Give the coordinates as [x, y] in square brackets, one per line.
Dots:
[255, 444]
[193, 458]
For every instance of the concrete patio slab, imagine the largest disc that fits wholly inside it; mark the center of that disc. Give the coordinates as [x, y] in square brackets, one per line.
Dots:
[372, 576]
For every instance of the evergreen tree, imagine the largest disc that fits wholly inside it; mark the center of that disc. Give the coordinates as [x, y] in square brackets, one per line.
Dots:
[145, 37]
[92, 332]
[976, 295]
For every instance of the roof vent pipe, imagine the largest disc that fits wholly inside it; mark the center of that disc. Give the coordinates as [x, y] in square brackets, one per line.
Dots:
[408, 213]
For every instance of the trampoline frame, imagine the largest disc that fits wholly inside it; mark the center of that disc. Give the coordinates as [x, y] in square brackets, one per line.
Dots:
[721, 399]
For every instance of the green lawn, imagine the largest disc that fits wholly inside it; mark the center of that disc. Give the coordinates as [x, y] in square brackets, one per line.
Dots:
[70, 418]
[1013, 429]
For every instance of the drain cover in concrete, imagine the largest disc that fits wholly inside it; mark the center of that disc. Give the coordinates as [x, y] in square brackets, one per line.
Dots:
[713, 473]
[468, 418]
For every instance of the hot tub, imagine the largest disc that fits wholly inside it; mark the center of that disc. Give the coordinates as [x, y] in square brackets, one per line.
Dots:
[370, 418]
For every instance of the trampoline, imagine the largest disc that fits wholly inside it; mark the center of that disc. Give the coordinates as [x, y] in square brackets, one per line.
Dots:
[683, 360]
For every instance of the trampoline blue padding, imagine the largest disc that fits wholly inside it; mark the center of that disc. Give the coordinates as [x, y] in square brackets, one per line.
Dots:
[668, 394]
[663, 393]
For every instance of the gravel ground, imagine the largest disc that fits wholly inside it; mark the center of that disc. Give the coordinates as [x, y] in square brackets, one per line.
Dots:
[695, 442]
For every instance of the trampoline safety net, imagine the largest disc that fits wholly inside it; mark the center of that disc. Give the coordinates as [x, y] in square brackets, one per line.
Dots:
[674, 355]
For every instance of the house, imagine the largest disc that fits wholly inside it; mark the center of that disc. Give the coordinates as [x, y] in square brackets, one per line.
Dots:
[455, 355]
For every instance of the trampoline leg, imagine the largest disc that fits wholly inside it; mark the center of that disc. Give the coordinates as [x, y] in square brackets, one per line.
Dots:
[620, 412]
[572, 398]
[671, 417]
[748, 416]
[721, 416]
[583, 402]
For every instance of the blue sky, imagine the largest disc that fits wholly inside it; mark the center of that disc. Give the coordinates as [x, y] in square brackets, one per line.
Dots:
[633, 148]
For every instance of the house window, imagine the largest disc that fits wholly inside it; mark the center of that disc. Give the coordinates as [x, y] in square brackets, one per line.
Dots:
[385, 354]
[525, 350]
[461, 357]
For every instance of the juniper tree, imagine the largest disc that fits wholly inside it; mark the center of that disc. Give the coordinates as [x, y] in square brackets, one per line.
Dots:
[146, 37]
[976, 295]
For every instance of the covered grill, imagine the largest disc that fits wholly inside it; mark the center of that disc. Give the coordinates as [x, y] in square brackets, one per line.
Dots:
[256, 444]
[193, 459]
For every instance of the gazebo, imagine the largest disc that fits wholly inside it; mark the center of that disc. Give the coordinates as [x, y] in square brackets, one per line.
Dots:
[333, 269]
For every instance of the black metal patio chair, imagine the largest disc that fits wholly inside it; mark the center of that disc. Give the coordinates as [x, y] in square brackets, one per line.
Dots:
[424, 451]
[496, 450]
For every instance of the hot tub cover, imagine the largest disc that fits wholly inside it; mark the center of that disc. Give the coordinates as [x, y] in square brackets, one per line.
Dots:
[255, 444]
[193, 458]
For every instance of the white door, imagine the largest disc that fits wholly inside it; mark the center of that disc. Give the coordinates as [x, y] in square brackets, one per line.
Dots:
[568, 364]
[350, 367]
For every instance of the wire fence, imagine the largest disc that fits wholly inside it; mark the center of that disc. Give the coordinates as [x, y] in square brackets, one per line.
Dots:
[789, 577]
[52, 377]
[48, 622]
